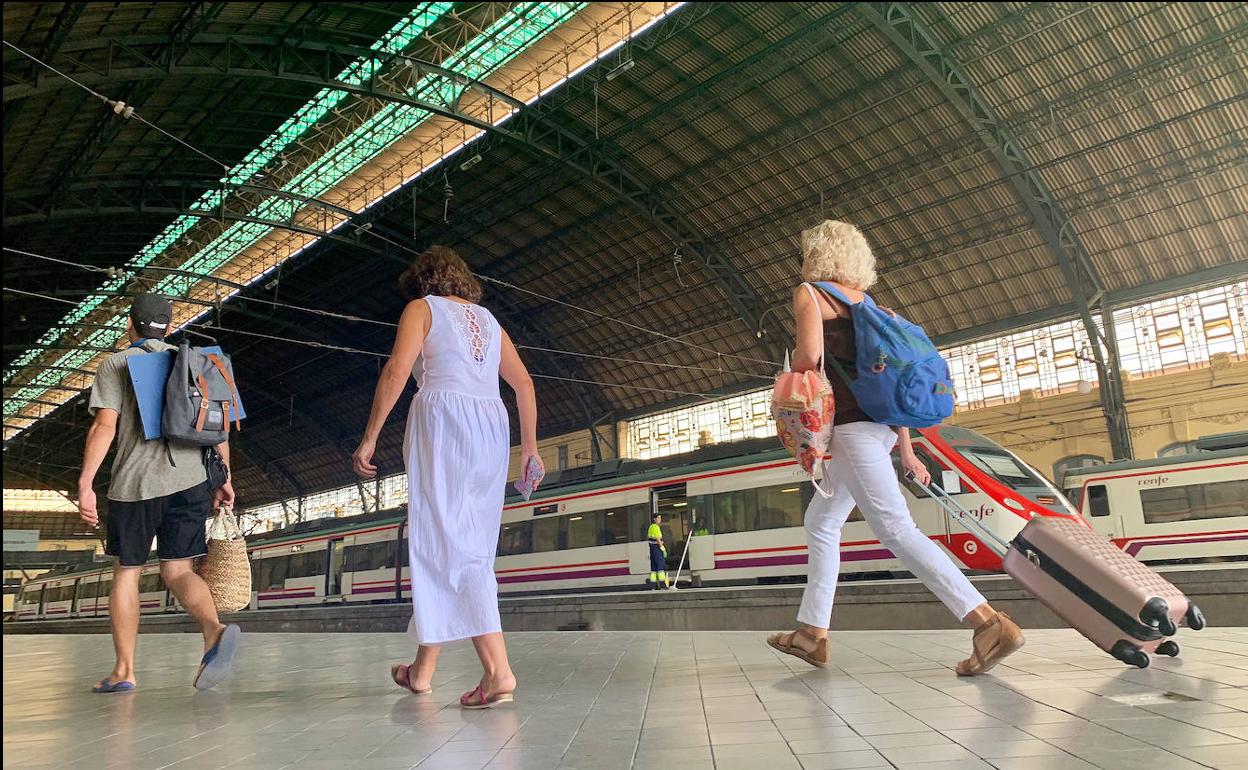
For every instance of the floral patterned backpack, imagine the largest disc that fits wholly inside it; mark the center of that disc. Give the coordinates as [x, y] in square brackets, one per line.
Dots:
[803, 408]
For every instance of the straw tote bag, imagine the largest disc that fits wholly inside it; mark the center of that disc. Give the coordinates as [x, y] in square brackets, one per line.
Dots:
[803, 408]
[226, 568]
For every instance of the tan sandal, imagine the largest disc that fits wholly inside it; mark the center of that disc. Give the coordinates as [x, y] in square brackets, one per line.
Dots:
[993, 641]
[817, 657]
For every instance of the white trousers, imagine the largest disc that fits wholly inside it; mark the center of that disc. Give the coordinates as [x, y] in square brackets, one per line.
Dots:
[861, 472]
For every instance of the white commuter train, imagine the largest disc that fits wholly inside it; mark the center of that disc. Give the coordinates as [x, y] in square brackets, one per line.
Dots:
[736, 508]
[738, 511]
[1172, 510]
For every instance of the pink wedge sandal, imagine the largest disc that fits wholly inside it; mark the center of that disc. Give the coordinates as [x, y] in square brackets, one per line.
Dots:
[401, 674]
[477, 700]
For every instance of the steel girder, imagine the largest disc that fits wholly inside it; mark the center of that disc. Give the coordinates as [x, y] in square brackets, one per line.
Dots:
[177, 197]
[194, 17]
[900, 24]
[250, 57]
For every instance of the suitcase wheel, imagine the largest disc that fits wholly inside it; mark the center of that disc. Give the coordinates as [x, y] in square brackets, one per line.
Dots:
[1168, 648]
[1156, 613]
[1195, 618]
[1131, 654]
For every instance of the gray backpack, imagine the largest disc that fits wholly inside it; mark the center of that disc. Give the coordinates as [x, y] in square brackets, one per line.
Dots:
[200, 397]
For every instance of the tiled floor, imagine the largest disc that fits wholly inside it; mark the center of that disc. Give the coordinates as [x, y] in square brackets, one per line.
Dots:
[679, 701]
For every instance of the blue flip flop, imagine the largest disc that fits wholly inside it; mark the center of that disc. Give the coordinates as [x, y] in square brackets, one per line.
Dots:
[106, 686]
[216, 664]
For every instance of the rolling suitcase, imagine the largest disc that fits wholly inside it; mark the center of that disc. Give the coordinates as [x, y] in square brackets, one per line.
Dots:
[1118, 603]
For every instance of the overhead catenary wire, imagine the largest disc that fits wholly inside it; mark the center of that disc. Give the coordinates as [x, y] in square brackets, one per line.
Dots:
[131, 112]
[381, 354]
[126, 111]
[360, 319]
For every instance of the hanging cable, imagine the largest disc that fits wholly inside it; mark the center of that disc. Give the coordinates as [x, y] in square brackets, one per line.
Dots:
[719, 370]
[377, 354]
[128, 111]
[120, 108]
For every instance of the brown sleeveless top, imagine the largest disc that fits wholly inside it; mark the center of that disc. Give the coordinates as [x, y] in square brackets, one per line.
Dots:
[838, 342]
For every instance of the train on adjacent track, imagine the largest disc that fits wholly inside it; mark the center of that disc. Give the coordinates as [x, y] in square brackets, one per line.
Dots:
[732, 515]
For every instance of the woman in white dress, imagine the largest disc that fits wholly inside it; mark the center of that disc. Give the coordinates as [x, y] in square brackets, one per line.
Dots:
[456, 450]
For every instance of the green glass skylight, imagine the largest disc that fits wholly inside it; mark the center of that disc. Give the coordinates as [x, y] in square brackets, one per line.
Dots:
[399, 37]
[504, 40]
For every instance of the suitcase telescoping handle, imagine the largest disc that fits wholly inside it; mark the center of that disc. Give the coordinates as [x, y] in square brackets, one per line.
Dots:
[954, 510]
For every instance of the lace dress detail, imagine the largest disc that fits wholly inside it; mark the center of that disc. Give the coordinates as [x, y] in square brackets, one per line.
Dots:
[473, 332]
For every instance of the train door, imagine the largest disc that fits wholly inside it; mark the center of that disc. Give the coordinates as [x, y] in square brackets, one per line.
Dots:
[400, 563]
[333, 576]
[1098, 512]
[673, 503]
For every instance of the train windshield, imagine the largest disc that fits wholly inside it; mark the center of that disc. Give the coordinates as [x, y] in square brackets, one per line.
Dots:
[1006, 467]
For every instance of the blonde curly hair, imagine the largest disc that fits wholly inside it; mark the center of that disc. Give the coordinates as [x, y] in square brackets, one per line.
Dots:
[837, 251]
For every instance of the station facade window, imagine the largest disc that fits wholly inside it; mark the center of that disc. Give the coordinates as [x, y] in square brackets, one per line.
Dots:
[1154, 337]
[1177, 448]
[1071, 463]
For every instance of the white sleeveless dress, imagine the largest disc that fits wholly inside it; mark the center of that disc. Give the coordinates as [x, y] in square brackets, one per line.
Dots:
[456, 447]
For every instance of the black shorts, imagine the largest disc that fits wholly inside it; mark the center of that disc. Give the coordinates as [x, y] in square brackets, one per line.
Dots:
[177, 522]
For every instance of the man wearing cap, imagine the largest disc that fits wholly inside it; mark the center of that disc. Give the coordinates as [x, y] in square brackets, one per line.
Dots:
[157, 490]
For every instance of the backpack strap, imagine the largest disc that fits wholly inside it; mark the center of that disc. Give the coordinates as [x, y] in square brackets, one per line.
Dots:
[830, 288]
[216, 362]
[838, 295]
[822, 352]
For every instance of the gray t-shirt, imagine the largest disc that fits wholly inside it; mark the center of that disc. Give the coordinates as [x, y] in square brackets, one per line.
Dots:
[141, 468]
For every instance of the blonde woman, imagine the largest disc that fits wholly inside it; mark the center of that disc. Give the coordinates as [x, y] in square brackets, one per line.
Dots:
[861, 471]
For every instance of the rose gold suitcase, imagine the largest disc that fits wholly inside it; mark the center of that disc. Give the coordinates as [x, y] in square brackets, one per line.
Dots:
[1118, 603]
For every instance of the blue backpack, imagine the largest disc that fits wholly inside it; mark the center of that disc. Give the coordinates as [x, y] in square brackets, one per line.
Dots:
[901, 378]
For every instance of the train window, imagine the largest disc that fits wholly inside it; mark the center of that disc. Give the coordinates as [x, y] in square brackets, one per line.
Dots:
[547, 534]
[149, 583]
[1003, 467]
[61, 593]
[584, 529]
[515, 539]
[403, 557]
[1220, 499]
[929, 462]
[1098, 500]
[366, 556]
[271, 573]
[736, 511]
[307, 564]
[638, 522]
[614, 527]
[780, 506]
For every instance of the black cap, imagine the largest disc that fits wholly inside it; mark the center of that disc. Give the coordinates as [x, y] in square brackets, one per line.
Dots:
[151, 314]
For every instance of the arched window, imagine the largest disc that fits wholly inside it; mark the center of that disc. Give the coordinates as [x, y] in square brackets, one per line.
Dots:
[1073, 462]
[1177, 448]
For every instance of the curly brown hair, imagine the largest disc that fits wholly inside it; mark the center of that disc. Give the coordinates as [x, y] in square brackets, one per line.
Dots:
[441, 272]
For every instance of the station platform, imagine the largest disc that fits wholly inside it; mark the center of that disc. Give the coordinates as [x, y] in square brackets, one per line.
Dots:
[606, 700]
[1220, 591]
